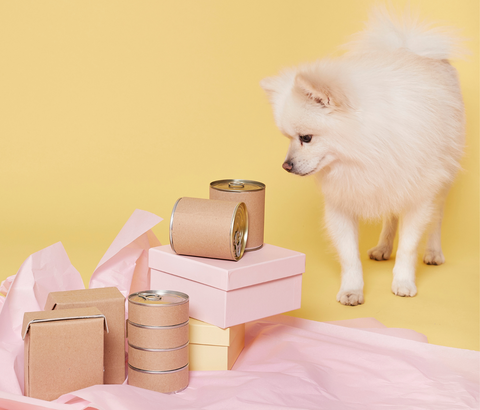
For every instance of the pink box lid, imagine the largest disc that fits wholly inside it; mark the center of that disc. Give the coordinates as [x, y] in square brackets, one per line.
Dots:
[263, 265]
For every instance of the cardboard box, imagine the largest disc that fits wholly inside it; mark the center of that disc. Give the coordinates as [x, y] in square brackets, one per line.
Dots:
[63, 351]
[214, 348]
[227, 293]
[111, 303]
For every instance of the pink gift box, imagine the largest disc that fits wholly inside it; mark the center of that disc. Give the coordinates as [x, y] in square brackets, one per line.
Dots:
[225, 293]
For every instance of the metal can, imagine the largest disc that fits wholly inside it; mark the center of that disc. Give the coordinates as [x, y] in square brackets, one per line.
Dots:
[157, 337]
[173, 381]
[209, 228]
[252, 193]
[158, 359]
[158, 345]
[158, 308]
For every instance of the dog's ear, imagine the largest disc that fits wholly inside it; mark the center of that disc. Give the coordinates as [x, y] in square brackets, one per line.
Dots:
[278, 85]
[318, 93]
[270, 85]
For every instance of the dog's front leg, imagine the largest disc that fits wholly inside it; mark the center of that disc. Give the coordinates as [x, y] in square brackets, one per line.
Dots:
[343, 229]
[412, 227]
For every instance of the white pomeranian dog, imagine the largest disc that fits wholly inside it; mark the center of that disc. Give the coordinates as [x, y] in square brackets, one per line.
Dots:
[382, 128]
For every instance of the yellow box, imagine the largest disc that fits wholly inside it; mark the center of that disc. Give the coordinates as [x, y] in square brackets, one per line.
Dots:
[214, 348]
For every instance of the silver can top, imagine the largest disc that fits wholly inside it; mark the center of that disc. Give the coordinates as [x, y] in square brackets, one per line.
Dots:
[237, 185]
[158, 298]
[239, 231]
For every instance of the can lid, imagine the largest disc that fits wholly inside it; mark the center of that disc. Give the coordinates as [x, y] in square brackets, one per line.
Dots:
[239, 231]
[237, 185]
[158, 298]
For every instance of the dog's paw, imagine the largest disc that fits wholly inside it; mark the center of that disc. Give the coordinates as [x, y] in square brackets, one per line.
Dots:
[350, 298]
[404, 288]
[380, 252]
[433, 257]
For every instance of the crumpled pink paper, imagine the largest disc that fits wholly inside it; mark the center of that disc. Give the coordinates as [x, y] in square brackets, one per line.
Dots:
[300, 364]
[5, 285]
[287, 362]
[43, 272]
[124, 265]
[4, 288]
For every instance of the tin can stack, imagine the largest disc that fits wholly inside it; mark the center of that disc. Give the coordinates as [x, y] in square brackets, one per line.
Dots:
[158, 340]
[224, 226]
[217, 255]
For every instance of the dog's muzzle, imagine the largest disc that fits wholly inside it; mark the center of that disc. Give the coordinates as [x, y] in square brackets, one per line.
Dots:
[287, 166]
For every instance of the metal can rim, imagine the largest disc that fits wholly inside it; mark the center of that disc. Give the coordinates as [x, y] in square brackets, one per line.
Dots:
[159, 350]
[158, 327]
[171, 224]
[240, 205]
[261, 186]
[158, 371]
[171, 292]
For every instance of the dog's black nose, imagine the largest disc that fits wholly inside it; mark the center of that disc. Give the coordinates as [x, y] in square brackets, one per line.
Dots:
[287, 166]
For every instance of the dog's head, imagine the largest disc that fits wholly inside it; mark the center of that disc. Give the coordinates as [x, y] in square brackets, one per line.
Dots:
[309, 107]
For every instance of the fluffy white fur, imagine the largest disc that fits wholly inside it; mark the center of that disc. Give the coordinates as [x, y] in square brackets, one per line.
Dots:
[387, 128]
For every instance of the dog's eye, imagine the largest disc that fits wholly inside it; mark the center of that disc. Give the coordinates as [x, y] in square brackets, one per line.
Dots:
[305, 138]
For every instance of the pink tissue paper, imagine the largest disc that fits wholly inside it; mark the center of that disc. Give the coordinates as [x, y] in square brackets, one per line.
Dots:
[287, 362]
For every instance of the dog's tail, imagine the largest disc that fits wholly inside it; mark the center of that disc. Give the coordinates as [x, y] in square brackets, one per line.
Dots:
[386, 31]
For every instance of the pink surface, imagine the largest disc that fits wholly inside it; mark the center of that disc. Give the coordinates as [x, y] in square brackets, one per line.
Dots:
[266, 264]
[309, 365]
[287, 362]
[226, 309]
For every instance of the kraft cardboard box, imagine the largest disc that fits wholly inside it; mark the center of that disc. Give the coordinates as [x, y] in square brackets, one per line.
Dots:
[63, 351]
[214, 348]
[111, 303]
[226, 293]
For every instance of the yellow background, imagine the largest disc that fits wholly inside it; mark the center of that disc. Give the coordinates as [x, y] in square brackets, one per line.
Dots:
[109, 106]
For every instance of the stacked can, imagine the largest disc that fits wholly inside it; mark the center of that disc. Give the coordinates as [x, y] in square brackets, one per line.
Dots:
[252, 194]
[158, 340]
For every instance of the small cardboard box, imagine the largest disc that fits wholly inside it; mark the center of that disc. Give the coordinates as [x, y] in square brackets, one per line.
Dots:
[225, 293]
[112, 304]
[214, 348]
[63, 351]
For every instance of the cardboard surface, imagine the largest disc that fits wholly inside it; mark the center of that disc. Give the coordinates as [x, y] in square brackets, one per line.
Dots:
[63, 351]
[263, 265]
[208, 358]
[214, 348]
[206, 334]
[30, 318]
[112, 304]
